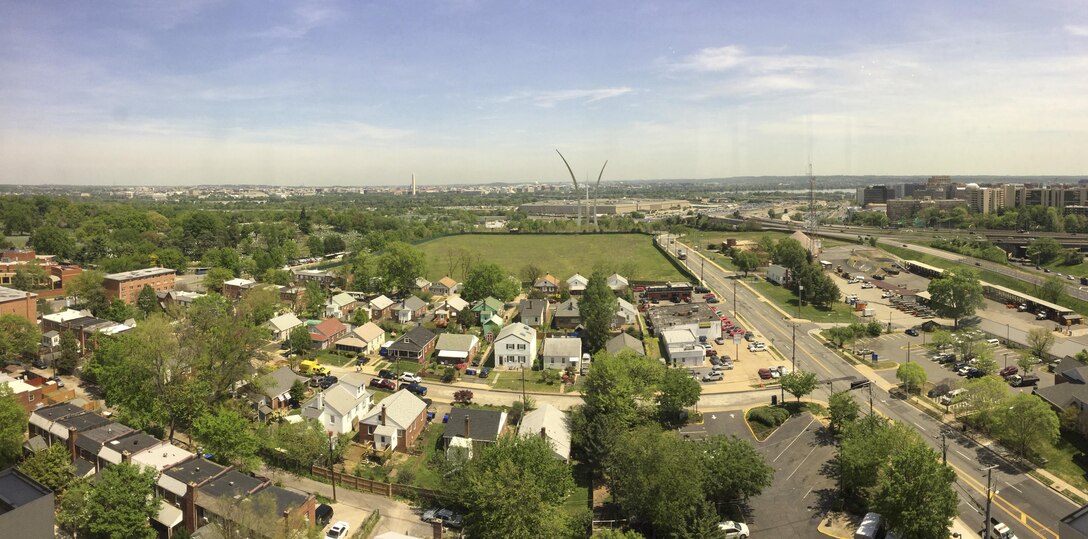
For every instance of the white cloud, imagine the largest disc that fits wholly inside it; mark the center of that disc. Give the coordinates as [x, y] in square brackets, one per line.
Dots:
[551, 98]
[713, 59]
[1077, 30]
[304, 18]
[735, 58]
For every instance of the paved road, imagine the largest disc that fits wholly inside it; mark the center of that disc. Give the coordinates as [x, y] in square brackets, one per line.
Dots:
[1031, 509]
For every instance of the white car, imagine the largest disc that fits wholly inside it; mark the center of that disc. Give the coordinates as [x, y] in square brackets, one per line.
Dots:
[734, 530]
[866, 285]
[337, 531]
[756, 347]
[410, 377]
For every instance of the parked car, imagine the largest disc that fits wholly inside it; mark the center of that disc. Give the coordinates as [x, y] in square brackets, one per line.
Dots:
[947, 398]
[715, 361]
[337, 531]
[912, 332]
[410, 377]
[484, 372]
[429, 514]
[383, 383]
[1008, 371]
[765, 374]
[415, 388]
[387, 374]
[448, 518]
[1023, 380]
[323, 514]
[749, 336]
[734, 530]
[328, 381]
[723, 366]
[38, 363]
[756, 347]
[719, 341]
[975, 373]
[938, 391]
[713, 376]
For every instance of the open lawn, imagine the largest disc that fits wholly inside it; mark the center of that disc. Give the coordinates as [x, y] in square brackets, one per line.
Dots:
[18, 241]
[562, 255]
[418, 467]
[511, 380]
[838, 313]
[326, 357]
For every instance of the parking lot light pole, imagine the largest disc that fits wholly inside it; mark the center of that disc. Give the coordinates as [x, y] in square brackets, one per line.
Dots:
[908, 351]
[1006, 356]
[800, 298]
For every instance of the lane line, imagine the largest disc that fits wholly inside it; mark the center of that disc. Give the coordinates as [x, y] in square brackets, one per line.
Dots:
[795, 438]
[790, 476]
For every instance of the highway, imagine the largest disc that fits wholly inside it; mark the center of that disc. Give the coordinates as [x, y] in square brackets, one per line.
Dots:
[1031, 509]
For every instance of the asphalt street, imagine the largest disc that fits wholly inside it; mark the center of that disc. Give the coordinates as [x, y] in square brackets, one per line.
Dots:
[1027, 506]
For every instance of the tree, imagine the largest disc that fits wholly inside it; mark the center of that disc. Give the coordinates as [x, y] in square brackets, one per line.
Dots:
[866, 444]
[597, 310]
[72, 510]
[259, 304]
[984, 358]
[214, 279]
[790, 254]
[462, 396]
[1026, 422]
[488, 279]
[956, 294]
[68, 360]
[941, 339]
[19, 338]
[1039, 341]
[842, 409]
[1026, 362]
[303, 443]
[1052, 290]
[276, 277]
[799, 383]
[912, 375]
[12, 427]
[1044, 250]
[529, 273]
[122, 502]
[841, 335]
[514, 488]
[299, 341]
[984, 397]
[298, 391]
[53, 240]
[51, 467]
[618, 534]
[734, 469]
[914, 493]
[315, 245]
[400, 265]
[359, 317]
[148, 301]
[678, 392]
[820, 288]
[88, 291]
[227, 435]
[119, 311]
[746, 261]
[29, 277]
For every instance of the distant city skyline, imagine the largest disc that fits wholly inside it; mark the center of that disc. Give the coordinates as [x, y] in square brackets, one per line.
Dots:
[465, 91]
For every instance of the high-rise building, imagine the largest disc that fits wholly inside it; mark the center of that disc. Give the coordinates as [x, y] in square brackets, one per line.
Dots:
[875, 194]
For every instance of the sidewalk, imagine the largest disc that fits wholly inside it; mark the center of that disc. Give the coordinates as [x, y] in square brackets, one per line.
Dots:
[353, 506]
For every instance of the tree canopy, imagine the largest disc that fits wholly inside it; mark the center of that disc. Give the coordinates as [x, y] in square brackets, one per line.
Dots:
[956, 294]
[12, 427]
[597, 309]
[400, 265]
[488, 279]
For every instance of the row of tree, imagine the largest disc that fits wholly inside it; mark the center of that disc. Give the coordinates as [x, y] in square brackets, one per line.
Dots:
[806, 278]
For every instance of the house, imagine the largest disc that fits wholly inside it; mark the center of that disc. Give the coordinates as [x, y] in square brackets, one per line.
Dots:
[327, 332]
[340, 407]
[576, 284]
[562, 353]
[321, 277]
[444, 287]
[491, 325]
[127, 285]
[412, 308]
[84, 327]
[51, 340]
[397, 422]
[422, 284]
[812, 245]
[28, 396]
[178, 484]
[273, 393]
[567, 315]
[282, 325]
[341, 306]
[623, 342]
[1070, 389]
[533, 312]
[683, 348]
[370, 337]
[777, 274]
[515, 347]
[551, 423]
[381, 307]
[698, 317]
[26, 507]
[474, 426]
[234, 288]
[251, 503]
[180, 298]
[547, 284]
[450, 308]
[453, 348]
[416, 344]
[626, 313]
[488, 306]
[89, 444]
[618, 283]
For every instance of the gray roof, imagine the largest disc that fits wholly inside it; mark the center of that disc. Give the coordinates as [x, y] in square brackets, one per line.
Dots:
[563, 346]
[456, 342]
[278, 382]
[533, 307]
[414, 340]
[401, 409]
[1062, 395]
[413, 303]
[82, 422]
[483, 424]
[283, 498]
[19, 489]
[133, 442]
[230, 484]
[568, 309]
[337, 397]
[194, 471]
[58, 411]
[622, 342]
[518, 330]
[555, 425]
[92, 440]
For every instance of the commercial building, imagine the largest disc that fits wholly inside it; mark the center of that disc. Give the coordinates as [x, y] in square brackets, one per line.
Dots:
[696, 317]
[875, 194]
[19, 303]
[127, 285]
[565, 208]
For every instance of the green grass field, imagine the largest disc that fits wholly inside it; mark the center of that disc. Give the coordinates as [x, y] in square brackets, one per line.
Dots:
[839, 313]
[562, 255]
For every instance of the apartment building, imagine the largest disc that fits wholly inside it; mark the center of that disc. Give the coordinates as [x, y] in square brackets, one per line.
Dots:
[127, 285]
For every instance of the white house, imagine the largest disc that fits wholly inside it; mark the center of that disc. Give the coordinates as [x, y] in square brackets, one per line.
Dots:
[577, 284]
[551, 423]
[372, 336]
[340, 305]
[617, 282]
[339, 407]
[562, 352]
[626, 312]
[776, 274]
[515, 347]
[282, 325]
[683, 348]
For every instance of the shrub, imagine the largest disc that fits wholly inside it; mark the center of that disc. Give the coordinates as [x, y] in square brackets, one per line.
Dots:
[463, 396]
[449, 374]
[770, 416]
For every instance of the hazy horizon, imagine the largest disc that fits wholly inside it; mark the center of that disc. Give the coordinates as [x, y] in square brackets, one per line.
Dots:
[474, 92]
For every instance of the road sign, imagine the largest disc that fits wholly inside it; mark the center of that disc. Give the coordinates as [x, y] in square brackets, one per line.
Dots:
[859, 384]
[737, 338]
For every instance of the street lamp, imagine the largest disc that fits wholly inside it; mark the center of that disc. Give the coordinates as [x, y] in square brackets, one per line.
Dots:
[800, 298]
[1006, 356]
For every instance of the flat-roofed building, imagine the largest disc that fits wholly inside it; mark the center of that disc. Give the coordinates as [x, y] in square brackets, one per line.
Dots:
[19, 303]
[26, 507]
[127, 285]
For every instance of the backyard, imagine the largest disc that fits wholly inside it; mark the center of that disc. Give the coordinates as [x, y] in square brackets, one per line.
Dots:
[562, 255]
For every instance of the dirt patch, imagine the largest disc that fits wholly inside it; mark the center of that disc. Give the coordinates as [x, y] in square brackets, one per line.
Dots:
[838, 524]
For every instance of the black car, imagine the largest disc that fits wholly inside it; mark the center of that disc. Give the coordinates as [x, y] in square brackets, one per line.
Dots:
[912, 332]
[362, 361]
[417, 389]
[749, 336]
[323, 514]
[387, 374]
[328, 381]
[38, 363]
[484, 372]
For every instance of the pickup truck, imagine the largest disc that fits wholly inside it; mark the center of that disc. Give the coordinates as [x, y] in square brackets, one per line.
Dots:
[1023, 380]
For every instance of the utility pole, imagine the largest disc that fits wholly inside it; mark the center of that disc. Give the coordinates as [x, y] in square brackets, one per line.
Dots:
[989, 498]
[908, 351]
[332, 472]
[944, 446]
[794, 346]
[734, 295]
[524, 399]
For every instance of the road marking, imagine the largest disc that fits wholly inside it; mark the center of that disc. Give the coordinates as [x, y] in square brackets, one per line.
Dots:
[962, 455]
[795, 438]
[1012, 510]
[923, 429]
[799, 464]
[806, 494]
[1007, 484]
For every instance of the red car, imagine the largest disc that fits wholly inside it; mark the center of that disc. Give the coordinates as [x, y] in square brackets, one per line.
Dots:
[1008, 371]
[765, 374]
[382, 383]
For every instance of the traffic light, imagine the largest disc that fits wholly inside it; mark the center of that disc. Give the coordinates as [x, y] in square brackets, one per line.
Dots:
[860, 384]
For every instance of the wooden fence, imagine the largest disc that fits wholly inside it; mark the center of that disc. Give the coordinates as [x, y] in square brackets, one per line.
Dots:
[374, 487]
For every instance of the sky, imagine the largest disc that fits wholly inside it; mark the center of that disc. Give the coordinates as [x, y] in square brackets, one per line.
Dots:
[469, 91]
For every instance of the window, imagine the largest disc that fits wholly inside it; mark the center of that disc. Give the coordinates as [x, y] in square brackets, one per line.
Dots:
[521, 347]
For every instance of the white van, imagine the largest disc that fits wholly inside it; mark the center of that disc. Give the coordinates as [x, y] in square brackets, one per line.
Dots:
[993, 342]
[871, 527]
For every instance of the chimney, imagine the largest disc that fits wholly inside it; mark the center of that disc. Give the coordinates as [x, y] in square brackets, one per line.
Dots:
[72, 434]
[436, 530]
[381, 416]
[543, 432]
[468, 431]
[188, 507]
[320, 400]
